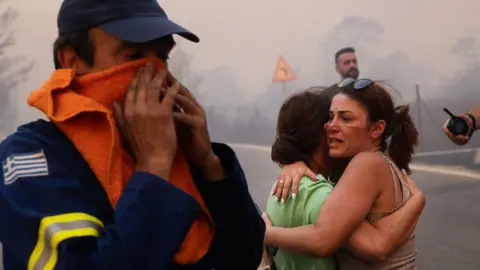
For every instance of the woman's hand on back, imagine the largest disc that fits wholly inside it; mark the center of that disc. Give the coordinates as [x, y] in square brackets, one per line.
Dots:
[290, 178]
[414, 189]
[267, 220]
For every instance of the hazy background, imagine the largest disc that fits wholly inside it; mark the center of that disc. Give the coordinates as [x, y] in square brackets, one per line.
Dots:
[430, 43]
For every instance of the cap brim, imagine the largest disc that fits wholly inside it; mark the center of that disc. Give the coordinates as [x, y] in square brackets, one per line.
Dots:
[144, 29]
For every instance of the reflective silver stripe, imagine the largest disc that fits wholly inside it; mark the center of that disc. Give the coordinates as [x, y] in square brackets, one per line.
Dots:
[1, 257]
[63, 227]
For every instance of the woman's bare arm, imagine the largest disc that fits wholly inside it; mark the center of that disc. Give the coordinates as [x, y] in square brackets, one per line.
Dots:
[343, 211]
[380, 241]
[376, 243]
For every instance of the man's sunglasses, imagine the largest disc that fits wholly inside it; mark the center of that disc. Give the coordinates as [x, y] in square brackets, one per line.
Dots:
[357, 84]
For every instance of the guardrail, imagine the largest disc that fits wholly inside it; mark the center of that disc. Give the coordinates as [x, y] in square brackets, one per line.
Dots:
[465, 157]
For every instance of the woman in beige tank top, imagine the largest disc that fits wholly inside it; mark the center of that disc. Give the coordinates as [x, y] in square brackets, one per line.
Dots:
[376, 139]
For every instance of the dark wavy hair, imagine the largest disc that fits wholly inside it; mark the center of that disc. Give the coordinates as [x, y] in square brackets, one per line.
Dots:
[300, 125]
[400, 130]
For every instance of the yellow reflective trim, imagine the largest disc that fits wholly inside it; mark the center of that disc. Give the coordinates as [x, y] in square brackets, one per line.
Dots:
[59, 237]
[53, 225]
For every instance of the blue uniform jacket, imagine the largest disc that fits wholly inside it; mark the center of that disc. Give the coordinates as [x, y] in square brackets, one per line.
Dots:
[55, 214]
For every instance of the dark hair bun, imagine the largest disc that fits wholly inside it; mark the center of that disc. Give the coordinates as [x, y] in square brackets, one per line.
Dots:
[285, 150]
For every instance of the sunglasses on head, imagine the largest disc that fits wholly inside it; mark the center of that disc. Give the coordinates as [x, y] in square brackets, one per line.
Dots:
[357, 84]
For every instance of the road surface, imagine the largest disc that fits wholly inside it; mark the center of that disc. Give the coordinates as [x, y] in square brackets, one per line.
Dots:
[448, 234]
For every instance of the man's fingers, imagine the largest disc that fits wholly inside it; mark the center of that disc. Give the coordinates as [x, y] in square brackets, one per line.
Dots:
[188, 105]
[155, 88]
[148, 73]
[447, 132]
[131, 93]
[190, 120]
[169, 98]
[118, 114]
[467, 119]
[185, 92]
[124, 130]
[143, 85]
[445, 129]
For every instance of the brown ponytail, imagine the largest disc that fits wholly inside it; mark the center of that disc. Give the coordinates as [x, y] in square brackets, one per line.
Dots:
[403, 137]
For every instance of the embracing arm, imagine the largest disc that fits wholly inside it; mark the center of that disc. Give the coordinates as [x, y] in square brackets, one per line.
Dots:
[339, 217]
[377, 243]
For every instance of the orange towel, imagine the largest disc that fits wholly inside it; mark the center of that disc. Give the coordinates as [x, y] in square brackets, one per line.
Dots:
[82, 107]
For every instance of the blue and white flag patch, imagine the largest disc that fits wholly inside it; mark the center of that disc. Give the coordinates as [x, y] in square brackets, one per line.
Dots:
[24, 165]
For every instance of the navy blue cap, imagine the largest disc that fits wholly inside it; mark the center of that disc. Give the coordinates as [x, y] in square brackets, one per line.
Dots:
[135, 21]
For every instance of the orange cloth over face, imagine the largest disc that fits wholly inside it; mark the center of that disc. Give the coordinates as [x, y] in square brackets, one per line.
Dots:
[82, 107]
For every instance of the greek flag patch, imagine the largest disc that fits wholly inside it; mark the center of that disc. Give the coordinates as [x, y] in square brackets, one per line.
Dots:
[24, 165]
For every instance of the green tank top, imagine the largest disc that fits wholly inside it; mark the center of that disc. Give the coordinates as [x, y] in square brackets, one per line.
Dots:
[301, 211]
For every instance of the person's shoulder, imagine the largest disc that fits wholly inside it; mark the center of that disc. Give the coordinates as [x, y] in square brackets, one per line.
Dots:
[39, 141]
[320, 179]
[31, 136]
[34, 152]
[371, 164]
[368, 160]
[321, 185]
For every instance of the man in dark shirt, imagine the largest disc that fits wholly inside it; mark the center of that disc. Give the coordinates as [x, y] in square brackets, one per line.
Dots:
[59, 209]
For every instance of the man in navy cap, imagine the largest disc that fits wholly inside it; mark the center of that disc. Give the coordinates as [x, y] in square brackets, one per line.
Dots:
[65, 200]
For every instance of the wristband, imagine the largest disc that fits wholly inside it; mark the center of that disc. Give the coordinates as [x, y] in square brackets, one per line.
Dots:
[474, 124]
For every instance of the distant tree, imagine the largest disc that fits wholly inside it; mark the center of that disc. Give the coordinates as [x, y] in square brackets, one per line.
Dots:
[364, 34]
[13, 70]
[466, 48]
[465, 81]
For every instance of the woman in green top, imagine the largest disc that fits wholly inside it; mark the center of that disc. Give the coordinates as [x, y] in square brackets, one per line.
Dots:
[301, 137]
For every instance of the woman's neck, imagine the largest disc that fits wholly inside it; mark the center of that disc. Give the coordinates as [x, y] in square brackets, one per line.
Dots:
[374, 147]
[319, 169]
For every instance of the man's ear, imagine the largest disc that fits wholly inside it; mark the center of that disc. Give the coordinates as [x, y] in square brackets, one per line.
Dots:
[69, 59]
[337, 68]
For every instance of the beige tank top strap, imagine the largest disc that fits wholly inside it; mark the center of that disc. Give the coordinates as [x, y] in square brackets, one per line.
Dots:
[406, 192]
[394, 179]
[396, 174]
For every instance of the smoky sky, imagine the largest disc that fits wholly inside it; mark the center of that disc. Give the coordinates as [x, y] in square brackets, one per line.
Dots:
[430, 42]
